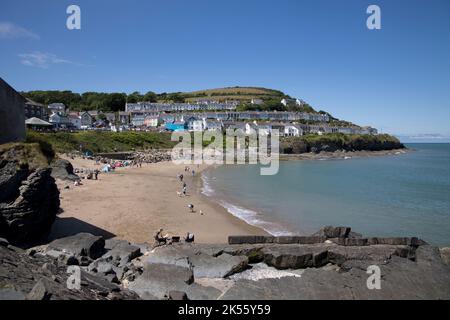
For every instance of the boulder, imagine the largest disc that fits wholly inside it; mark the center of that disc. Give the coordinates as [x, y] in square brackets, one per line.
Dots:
[122, 251]
[29, 202]
[63, 170]
[41, 277]
[333, 232]
[40, 291]
[177, 295]
[81, 244]
[4, 242]
[206, 266]
[159, 279]
[202, 262]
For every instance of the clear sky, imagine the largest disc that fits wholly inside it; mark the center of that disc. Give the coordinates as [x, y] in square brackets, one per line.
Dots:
[396, 79]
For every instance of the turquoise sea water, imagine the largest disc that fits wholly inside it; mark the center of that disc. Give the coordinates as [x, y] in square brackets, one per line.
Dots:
[402, 195]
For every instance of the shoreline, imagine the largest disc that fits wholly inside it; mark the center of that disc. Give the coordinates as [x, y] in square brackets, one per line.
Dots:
[103, 207]
[275, 228]
[137, 228]
[343, 155]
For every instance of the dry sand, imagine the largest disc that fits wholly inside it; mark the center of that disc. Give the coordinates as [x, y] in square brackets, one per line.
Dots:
[133, 203]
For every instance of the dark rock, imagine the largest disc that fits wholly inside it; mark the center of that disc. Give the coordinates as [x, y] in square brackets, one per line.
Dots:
[29, 202]
[111, 277]
[249, 239]
[311, 239]
[159, 279]
[4, 242]
[333, 232]
[177, 295]
[82, 244]
[63, 169]
[19, 271]
[288, 257]
[400, 279]
[350, 241]
[202, 263]
[396, 241]
[354, 235]
[39, 292]
[122, 251]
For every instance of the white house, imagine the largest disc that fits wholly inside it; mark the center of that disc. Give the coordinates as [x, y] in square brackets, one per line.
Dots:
[59, 120]
[151, 121]
[292, 130]
[284, 102]
[194, 124]
[260, 129]
[212, 125]
[57, 107]
[75, 121]
[345, 130]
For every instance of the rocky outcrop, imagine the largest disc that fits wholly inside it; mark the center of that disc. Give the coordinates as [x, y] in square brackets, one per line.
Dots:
[79, 245]
[29, 202]
[63, 169]
[39, 277]
[323, 266]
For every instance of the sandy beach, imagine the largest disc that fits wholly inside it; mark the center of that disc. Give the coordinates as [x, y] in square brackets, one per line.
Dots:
[133, 203]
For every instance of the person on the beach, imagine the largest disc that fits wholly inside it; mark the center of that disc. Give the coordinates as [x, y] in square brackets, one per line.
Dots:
[181, 177]
[184, 190]
[189, 237]
[191, 207]
[96, 174]
[193, 172]
[159, 238]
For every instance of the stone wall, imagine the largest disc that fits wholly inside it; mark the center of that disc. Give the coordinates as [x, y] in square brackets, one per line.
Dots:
[12, 114]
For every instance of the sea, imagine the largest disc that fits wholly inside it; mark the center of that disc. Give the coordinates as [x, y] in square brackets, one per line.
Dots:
[393, 195]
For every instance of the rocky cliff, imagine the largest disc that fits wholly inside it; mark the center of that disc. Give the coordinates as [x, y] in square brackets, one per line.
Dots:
[29, 197]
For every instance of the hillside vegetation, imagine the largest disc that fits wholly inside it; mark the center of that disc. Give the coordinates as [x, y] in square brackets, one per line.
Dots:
[30, 155]
[98, 141]
[338, 141]
[234, 93]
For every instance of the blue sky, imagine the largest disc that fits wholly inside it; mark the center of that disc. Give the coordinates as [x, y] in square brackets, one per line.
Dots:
[396, 79]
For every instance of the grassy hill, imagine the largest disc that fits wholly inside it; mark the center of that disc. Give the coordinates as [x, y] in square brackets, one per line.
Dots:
[243, 94]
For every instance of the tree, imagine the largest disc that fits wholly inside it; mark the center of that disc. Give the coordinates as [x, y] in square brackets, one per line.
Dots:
[150, 97]
[115, 102]
[135, 97]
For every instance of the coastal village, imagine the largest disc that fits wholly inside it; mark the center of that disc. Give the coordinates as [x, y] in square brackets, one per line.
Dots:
[204, 115]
